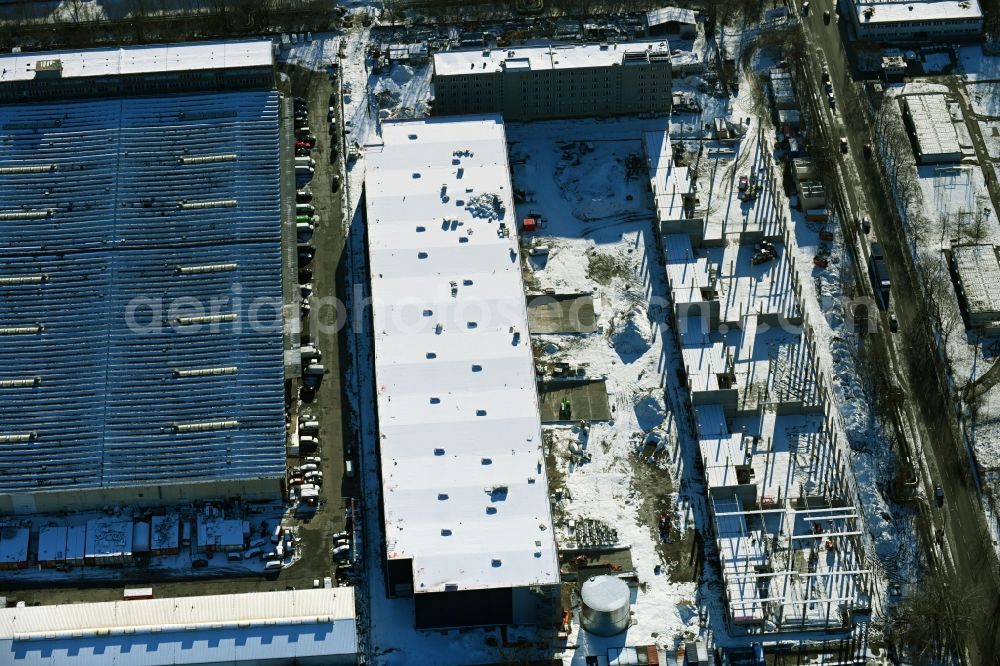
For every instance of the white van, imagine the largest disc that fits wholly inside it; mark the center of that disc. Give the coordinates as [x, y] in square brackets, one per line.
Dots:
[349, 468]
[309, 467]
[304, 208]
[304, 161]
[309, 427]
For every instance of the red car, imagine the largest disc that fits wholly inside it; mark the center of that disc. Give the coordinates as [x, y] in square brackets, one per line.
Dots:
[299, 143]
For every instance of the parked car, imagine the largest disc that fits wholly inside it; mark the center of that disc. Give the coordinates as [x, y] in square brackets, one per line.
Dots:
[303, 197]
[843, 144]
[939, 496]
[867, 150]
[199, 564]
[826, 18]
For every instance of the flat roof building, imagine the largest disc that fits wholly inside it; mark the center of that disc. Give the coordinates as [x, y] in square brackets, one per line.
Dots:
[916, 20]
[14, 547]
[978, 273]
[468, 526]
[555, 81]
[134, 70]
[677, 21]
[302, 626]
[140, 300]
[934, 133]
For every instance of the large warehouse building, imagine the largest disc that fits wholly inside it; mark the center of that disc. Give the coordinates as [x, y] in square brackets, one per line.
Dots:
[140, 292]
[307, 627]
[468, 527]
[555, 81]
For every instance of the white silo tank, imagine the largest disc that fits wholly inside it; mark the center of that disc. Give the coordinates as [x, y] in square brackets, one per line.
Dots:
[605, 610]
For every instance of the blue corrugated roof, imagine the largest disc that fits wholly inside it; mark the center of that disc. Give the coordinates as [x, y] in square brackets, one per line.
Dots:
[91, 196]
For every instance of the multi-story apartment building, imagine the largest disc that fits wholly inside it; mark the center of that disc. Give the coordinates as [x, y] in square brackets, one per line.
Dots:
[555, 81]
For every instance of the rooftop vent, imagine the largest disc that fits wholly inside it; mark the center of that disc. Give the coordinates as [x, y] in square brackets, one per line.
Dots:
[206, 372]
[35, 168]
[20, 383]
[205, 319]
[207, 159]
[19, 437]
[206, 268]
[24, 279]
[203, 426]
[26, 215]
[212, 203]
[22, 330]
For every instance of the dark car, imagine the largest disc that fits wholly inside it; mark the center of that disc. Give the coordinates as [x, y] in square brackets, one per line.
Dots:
[199, 564]
[335, 183]
[939, 496]
[307, 393]
[826, 18]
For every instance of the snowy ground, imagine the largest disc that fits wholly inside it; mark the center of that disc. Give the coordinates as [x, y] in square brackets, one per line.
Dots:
[951, 205]
[598, 228]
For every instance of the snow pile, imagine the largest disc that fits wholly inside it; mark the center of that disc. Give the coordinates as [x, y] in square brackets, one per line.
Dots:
[401, 74]
[631, 335]
[487, 205]
[650, 412]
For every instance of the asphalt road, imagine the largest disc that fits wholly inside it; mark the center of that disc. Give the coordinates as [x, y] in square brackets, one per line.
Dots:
[924, 408]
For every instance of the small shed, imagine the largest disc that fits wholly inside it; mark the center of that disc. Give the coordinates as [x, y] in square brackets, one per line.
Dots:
[216, 533]
[109, 542]
[14, 548]
[52, 546]
[672, 21]
[76, 544]
[165, 538]
[140, 537]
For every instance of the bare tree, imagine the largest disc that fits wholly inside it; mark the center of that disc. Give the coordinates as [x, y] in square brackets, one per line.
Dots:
[936, 618]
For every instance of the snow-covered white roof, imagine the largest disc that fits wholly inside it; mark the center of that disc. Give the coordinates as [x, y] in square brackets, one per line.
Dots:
[932, 125]
[231, 628]
[52, 543]
[13, 545]
[914, 11]
[979, 272]
[138, 59]
[109, 537]
[670, 14]
[464, 484]
[539, 58]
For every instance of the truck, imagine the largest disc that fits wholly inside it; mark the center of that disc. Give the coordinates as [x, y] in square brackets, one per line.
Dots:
[879, 271]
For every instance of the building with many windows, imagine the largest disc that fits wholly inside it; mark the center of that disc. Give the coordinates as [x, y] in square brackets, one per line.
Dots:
[916, 20]
[555, 81]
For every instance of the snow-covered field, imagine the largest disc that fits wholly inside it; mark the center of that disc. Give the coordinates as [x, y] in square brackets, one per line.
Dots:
[598, 227]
